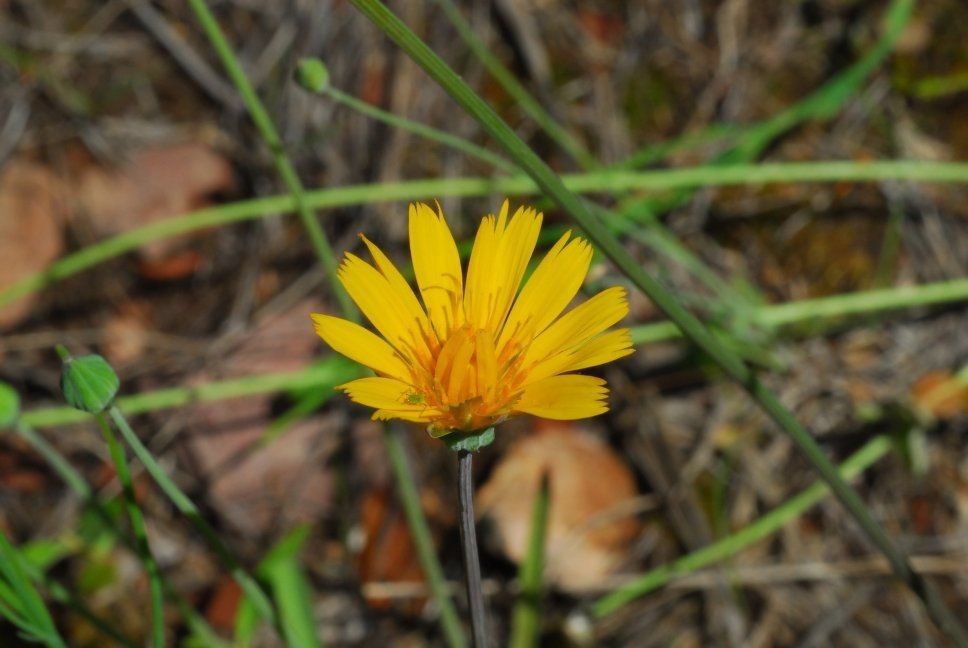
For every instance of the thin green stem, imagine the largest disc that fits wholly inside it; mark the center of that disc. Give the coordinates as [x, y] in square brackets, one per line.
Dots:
[253, 591]
[140, 532]
[267, 130]
[526, 621]
[76, 482]
[422, 130]
[761, 528]
[612, 181]
[420, 532]
[815, 314]
[702, 337]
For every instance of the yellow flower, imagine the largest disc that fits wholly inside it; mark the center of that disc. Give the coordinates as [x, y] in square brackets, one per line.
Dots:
[478, 350]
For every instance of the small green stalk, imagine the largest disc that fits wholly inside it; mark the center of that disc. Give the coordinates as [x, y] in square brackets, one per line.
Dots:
[140, 532]
[269, 134]
[186, 507]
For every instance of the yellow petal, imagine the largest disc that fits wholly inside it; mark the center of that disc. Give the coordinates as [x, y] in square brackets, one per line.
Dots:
[602, 348]
[564, 397]
[436, 265]
[551, 287]
[385, 308]
[359, 344]
[414, 312]
[579, 325]
[498, 262]
[388, 396]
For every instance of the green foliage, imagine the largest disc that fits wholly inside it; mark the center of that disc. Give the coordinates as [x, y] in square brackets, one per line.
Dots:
[469, 441]
[20, 602]
[88, 382]
[9, 405]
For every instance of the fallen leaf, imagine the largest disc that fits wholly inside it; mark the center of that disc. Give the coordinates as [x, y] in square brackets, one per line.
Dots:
[286, 481]
[941, 395]
[126, 333]
[388, 555]
[154, 184]
[33, 209]
[588, 535]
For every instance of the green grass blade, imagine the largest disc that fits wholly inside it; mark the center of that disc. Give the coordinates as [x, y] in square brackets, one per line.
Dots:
[518, 92]
[410, 498]
[526, 619]
[22, 603]
[290, 588]
[761, 528]
[253, 591]
[553, 187]
[814, 315]
[136, 517]
[610, 181]
[267, 130]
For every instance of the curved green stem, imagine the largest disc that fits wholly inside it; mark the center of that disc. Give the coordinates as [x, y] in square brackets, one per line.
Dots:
[140, 532]
[817, 313]
[516, 186]
[186, 507]
[267, 130]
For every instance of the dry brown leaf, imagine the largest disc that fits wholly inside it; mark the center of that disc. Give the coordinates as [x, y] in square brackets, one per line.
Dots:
[941, 395]
[33, 210]
[588, 533]
[388, 554]
[155, 184]
[126, 333]
[285, 482]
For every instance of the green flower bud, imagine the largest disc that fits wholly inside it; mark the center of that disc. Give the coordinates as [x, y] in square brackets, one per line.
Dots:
[9, 405]
[311, 74]
[88, 382]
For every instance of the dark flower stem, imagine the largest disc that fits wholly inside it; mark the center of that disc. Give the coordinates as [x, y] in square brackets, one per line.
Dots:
[468, 541]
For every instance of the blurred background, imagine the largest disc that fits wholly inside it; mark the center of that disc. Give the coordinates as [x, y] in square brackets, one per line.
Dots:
[117, 115]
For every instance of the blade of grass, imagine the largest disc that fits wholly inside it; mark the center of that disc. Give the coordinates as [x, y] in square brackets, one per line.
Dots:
[253, 591]
[731, 364]
[732, 544]
[137, 520]
[612, 181]
[410, 498]
[77, 484]
[290, 588]
[518, 92]
[22, 603]
[525, 623]
[817, 314]
[267, 130]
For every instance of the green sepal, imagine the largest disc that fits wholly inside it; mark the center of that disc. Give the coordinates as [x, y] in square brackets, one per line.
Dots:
[312, 75]
[470, 441]
[9, 405]
[89, 383]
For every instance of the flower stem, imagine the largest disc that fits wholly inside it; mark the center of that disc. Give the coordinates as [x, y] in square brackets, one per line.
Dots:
[468, 542]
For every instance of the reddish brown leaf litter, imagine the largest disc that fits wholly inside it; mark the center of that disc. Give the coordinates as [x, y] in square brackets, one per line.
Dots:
[33, 209]
[283, 482]
[151, 185]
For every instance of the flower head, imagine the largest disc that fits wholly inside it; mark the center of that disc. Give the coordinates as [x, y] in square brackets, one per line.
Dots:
[478, 350]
